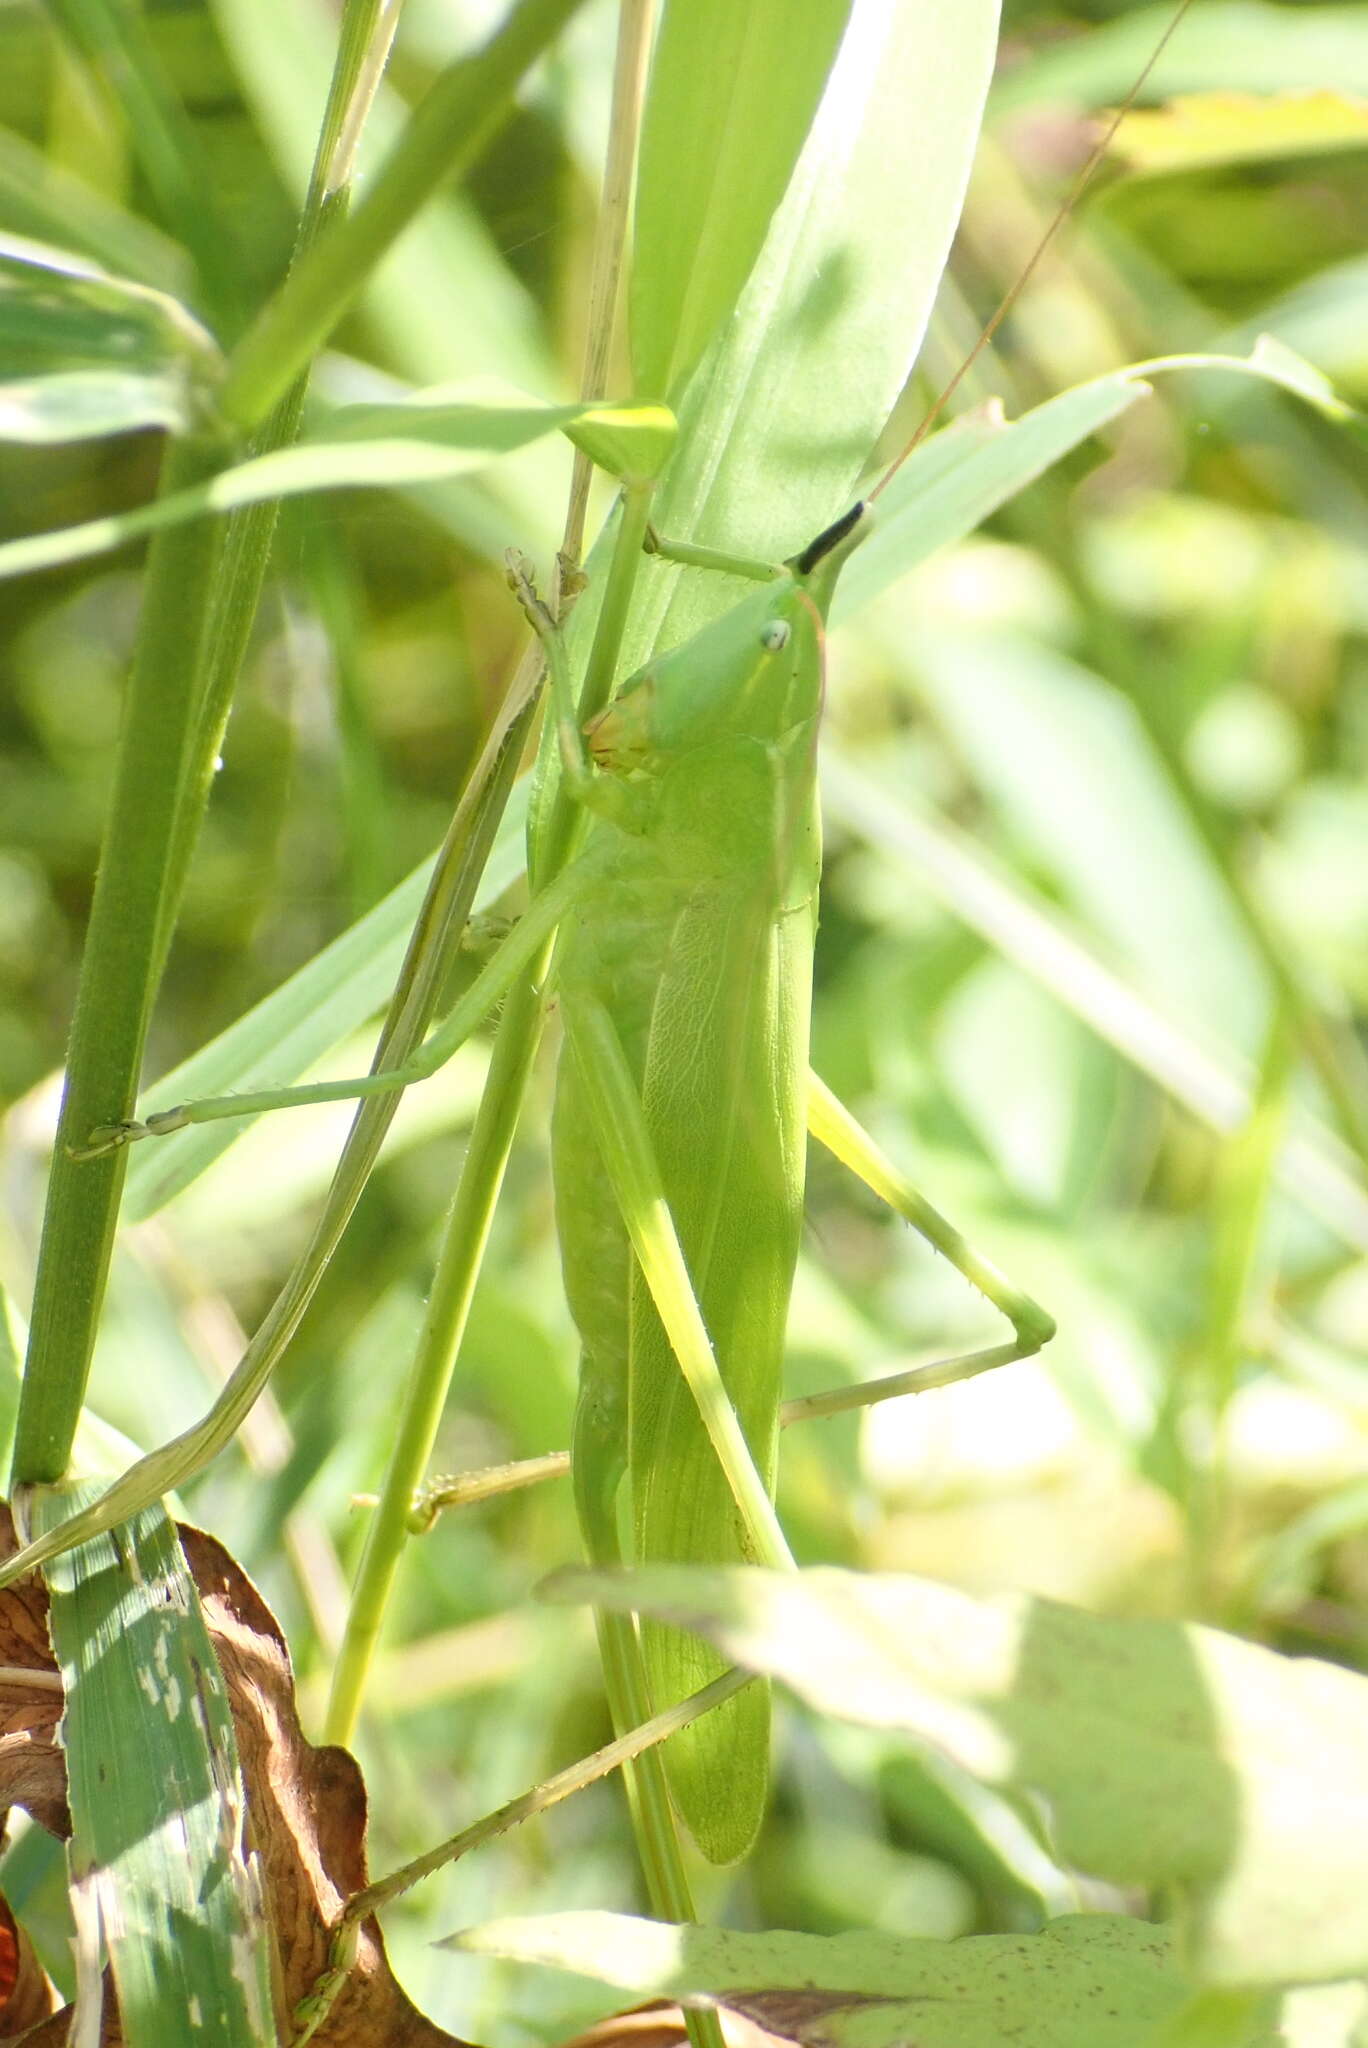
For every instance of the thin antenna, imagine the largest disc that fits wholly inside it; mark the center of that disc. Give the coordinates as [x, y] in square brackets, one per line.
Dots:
[1065, 208]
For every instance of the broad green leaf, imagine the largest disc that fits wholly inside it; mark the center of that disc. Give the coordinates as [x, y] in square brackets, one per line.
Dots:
[1206, 128]
[155, 1788]
[417, 439]
[1085, 1981]
[1085, 1978]
[1163, 1754]
[85, 353]
[731, 95]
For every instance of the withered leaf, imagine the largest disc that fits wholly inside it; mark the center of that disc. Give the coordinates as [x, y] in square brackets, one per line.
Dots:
[305, 1808]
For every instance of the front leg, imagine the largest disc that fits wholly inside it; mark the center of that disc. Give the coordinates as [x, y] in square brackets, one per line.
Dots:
[515, 954]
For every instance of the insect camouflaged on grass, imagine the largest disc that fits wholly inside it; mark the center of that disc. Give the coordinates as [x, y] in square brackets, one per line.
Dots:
[721, 830]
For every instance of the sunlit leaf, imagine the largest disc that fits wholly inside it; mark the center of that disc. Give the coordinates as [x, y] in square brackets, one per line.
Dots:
[415, 440]
[1088, 1981]
[1162, 1753]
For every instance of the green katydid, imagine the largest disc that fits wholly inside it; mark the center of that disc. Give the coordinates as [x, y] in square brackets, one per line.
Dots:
[683, 972]
[685, 982]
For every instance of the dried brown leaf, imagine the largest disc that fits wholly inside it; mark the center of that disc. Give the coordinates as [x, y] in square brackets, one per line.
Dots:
[306, 1805]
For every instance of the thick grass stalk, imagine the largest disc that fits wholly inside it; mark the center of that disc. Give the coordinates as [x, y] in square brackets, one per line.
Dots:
[120, 969]
[200, 599]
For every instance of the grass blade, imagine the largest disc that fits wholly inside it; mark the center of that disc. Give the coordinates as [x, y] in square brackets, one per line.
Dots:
[155, 1788]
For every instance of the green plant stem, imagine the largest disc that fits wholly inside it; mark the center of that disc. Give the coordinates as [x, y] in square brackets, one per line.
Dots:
[120, 968]
[458, 1266]
[200, 600]
[462, 110]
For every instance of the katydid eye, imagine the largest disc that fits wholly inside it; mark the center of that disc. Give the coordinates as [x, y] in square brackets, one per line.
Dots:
[775, 635]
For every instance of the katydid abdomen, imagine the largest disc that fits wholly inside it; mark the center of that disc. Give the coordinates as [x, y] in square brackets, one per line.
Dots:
[697, 942]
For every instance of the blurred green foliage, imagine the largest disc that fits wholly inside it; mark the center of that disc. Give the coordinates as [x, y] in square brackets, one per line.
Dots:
[1150, 675]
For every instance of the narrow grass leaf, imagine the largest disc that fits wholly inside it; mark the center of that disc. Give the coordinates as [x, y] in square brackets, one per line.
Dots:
[444, 303]
[421, 440]
[1214, 1085]
[1164, 1754]
[963, 474]
[155, 1788]
[1223, 46]
[731, 97]
[44, 200]
[958, 477]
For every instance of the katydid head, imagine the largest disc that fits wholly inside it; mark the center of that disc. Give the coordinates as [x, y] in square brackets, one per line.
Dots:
[754, 673]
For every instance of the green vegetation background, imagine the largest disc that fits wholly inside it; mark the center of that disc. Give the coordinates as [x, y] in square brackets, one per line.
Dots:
[1152, 668]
